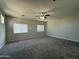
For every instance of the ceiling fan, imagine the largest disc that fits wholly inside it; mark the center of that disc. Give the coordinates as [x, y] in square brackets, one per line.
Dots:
[43, 15]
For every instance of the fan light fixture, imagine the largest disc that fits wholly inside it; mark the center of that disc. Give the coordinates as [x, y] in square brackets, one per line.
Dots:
[42, 18]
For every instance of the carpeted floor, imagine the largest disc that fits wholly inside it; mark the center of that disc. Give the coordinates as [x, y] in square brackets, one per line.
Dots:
[41, 48]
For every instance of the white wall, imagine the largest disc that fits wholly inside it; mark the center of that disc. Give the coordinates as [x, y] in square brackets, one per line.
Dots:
[2, 35]
[65, 28]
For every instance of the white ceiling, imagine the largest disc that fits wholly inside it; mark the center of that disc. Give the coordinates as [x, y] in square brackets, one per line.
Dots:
[30, 8]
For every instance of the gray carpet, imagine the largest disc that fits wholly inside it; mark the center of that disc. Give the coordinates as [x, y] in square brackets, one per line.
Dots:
[41, 48]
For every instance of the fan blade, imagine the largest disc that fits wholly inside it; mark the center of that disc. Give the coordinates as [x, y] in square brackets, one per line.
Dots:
[47, 15]
[54, 0]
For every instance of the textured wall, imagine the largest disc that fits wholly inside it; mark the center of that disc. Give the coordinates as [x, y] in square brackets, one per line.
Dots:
[65, 28]
[32, 32]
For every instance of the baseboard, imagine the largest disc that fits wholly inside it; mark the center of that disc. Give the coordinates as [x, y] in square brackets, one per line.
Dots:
[64, 38]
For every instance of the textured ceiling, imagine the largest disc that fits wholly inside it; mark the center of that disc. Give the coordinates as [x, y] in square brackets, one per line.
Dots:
[30, 8]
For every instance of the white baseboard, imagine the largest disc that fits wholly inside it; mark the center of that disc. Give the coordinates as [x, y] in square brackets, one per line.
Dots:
[64, 38]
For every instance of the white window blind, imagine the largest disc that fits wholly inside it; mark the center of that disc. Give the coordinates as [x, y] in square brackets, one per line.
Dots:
[20, 28]
[40, 28]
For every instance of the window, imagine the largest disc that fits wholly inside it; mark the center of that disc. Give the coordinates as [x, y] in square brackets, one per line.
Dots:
[40, 28]
[20, 28]
[2, 19]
